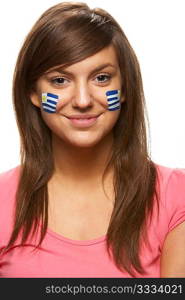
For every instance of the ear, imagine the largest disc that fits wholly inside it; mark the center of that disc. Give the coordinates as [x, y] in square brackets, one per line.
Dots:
[35, 99]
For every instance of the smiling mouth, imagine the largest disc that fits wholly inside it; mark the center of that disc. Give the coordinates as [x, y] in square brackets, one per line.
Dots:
[83, 121]
[83, 116]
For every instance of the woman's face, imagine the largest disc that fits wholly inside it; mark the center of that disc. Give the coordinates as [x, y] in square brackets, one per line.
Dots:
[82, 117]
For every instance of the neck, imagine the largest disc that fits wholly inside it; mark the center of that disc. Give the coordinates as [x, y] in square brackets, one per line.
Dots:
[81, 164]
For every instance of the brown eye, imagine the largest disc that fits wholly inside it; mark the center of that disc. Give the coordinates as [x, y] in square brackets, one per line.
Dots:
[103, 78]
[59, 80]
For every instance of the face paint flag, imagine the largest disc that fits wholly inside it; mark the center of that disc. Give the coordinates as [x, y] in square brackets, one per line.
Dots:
[113, 98]
[49, 102]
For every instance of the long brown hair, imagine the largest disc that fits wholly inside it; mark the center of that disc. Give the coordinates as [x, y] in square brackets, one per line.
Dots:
[65, 34]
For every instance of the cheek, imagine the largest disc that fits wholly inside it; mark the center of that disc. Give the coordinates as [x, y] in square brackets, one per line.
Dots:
[55, 125]
[111, 119]
[49, 119]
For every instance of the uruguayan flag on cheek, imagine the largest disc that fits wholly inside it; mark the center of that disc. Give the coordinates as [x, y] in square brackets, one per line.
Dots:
[113, 98]
[49, 102]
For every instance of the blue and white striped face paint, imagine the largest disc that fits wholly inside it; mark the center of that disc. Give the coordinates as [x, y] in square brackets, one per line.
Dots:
[49, 102]
[113, 98]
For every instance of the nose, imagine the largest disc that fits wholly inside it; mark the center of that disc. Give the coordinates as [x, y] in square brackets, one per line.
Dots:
[82, 97]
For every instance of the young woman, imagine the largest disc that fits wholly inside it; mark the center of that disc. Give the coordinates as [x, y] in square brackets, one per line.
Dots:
[86, 200]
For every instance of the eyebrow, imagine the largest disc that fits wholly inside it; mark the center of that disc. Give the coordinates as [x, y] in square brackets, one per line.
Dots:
[97, 69]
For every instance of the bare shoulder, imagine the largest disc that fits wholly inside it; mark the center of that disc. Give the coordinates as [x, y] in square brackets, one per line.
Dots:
[173, 253]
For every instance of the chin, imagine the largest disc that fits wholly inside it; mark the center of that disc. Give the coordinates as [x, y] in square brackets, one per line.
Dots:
[84, 140]
[83, 144]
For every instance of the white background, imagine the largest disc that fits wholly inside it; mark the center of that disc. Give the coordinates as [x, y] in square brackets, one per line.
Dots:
[156, 31]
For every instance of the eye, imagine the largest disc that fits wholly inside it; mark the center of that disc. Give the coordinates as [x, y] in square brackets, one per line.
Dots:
[103, 78]
[59, 81]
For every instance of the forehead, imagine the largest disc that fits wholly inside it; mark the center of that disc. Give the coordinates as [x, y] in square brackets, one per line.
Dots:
[105, 57]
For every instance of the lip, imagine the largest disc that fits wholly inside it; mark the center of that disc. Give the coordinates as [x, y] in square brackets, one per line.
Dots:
[83, 116]
[83, 120]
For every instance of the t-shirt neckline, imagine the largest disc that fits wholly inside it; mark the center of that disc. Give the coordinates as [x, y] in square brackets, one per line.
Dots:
[100, 239]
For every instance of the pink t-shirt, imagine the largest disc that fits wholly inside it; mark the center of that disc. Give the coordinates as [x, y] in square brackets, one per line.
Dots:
[62, 257]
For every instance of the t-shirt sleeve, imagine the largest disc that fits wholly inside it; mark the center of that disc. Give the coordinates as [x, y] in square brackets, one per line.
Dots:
[175, 198]
[8, 187]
